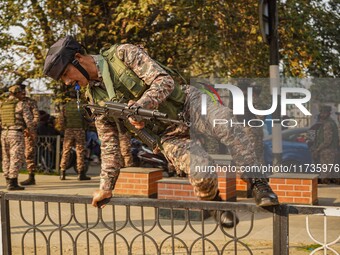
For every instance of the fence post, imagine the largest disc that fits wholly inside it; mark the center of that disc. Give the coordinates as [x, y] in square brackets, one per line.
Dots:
[57, 155]
[281, 230]
[5, 225]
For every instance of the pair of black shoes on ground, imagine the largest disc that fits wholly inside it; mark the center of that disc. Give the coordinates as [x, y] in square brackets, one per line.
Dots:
[263, 194]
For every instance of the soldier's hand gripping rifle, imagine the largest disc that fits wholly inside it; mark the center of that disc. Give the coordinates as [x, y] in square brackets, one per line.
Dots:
[120, 111]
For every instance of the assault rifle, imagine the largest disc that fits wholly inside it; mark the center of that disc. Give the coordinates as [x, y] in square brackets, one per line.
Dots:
[121, 112]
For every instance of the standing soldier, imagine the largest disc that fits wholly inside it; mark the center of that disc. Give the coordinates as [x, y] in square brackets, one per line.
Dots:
[15, 118]
[72, 121]
[326, 142]
[30, 138]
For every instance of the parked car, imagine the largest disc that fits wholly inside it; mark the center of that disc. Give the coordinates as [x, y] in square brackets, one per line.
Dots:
[295, 149]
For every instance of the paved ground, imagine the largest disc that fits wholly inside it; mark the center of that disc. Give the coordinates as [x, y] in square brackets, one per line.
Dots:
[259, 240]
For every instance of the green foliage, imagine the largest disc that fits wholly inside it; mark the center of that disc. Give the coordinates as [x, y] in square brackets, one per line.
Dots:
[198, 38]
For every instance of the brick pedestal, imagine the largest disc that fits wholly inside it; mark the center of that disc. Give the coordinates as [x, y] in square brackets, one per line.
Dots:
[175, 188]
[137, 181]
[295, 188]
[179, 188]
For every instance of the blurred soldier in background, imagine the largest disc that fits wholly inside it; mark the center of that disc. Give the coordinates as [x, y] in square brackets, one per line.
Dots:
[326, 142]
[15, 118]
[30, 137]
[71, 120]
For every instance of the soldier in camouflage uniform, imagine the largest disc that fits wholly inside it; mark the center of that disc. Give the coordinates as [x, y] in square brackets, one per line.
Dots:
[30, 138]
[15, 118]
[71, 120]
[326, 142]
[126, 73]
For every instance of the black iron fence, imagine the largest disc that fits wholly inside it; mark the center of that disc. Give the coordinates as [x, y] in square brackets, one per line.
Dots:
[61, 224]
[48, 153]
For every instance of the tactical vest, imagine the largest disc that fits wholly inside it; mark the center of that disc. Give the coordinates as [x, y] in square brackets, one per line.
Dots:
[8, 116]
[74, 119]
[128, 86]
[335, 138]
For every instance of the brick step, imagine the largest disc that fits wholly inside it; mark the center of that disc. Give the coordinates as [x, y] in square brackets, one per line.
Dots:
[295, 188]
[138, 181]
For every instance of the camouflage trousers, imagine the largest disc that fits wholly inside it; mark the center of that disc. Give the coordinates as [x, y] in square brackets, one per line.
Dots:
[257, 135]
[327, 156]
[30, 152]
[187, 155]
[73, 137]
[12, 152]
[125, 148]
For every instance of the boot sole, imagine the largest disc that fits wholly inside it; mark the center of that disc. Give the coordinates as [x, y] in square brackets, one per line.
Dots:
[268, 202]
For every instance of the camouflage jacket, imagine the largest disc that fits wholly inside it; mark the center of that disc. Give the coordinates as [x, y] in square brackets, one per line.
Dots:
[160, 85]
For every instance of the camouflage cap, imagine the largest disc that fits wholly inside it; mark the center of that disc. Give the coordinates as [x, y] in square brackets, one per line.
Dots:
[59, 56]
[325, 108]
[14, 89]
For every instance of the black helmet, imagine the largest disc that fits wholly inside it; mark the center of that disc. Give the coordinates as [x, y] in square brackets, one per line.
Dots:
[60, 55]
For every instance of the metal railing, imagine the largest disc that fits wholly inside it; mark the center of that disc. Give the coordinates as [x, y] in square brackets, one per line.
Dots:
[48, 153]
[61, 224]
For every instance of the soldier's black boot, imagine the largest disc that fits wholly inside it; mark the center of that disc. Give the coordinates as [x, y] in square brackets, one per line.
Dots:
[82, 177]
[13, 184]
[262, 192]
[29, 181]
[228, 219]
[62, 175]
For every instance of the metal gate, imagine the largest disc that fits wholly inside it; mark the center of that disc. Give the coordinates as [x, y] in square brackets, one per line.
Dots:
[61, 224]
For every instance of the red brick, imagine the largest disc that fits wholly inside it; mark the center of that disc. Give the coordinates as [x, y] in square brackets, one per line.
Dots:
[278, 181]
[182, 193]
[169, 192]
[222, 185]
[187, 187]
[307, 182]
[286, 187]
[286, 200]
[173, 186]
[293, 194]
[293, 181]
[128, 186]
[141, 176]
[302, 187]
[280, 193]
[306, 194]
[127, 175]
[274, 186]
[134, 180]
[161, 184]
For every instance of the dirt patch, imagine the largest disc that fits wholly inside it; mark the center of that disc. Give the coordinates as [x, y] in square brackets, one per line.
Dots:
[256, 247]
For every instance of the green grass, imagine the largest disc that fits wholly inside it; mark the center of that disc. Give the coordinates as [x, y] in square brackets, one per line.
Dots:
[309, 247]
